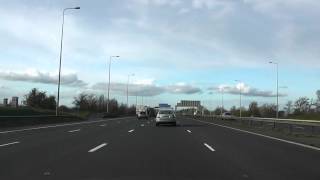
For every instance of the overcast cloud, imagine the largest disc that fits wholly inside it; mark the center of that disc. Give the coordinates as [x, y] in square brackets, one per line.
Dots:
[245, 90]
[45, 78]
[147, 89]
[163, 42]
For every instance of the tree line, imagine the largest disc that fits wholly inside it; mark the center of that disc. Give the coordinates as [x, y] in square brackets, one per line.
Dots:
[98, 103]
[83, 102]
[94, 103]
[301, 106]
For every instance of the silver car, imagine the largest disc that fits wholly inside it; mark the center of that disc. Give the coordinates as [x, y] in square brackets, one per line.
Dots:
[166, 116]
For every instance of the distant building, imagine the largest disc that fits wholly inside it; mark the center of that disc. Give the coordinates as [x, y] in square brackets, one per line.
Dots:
[15, 102]
[187, 103]
[5, 102]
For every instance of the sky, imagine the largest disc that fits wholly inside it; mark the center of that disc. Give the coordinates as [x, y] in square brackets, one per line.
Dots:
[176, 49]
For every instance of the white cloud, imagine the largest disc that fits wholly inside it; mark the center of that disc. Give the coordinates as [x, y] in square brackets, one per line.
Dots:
[245, 90]
[144, 81]
[183, 89]
[134, 89]
[42, 77]
[147, 89]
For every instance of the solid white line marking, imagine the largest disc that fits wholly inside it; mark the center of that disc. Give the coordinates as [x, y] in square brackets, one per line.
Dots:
[9, 144]
[102, 125]
[131, 131]
[59, 125]
[188, 131]
[98, 147]
[74, 130]
[209, 147]
[257, 134]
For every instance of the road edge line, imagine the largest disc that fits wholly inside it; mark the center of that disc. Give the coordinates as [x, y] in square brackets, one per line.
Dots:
[261, 135]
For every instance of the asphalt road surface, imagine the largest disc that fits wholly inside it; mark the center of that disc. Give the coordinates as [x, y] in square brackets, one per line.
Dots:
[127, 148]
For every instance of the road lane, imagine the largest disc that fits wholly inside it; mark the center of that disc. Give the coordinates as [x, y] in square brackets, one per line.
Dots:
[47, 149]
[165, 152]
[264, 158]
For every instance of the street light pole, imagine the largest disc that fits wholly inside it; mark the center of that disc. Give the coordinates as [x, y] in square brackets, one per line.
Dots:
[108, 100]
[60, 59]
[222, 100]
[128, 89]
[277, 68]
[240, 93]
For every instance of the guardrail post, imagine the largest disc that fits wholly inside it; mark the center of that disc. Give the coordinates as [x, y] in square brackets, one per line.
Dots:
[274, 124]
[290, 128]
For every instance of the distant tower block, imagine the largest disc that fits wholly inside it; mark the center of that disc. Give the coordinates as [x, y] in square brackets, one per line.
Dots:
[15, 101]
[5, 102]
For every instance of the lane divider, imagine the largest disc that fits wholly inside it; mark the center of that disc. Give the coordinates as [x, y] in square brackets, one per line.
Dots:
[76, 130]
[209, 147]
[131, 131]
[98, 147]
[102, 125]
[188, 131]
[2, 145]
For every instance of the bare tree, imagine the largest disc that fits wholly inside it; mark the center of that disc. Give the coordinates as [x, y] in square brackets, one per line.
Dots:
[268, 110]
[39, 99]
[302, 105]
[254, 109]
[318, 101]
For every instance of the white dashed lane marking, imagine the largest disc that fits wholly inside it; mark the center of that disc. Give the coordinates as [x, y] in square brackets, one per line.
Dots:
[76, 130]
[209, 147]
[98, 147]
[2, 145]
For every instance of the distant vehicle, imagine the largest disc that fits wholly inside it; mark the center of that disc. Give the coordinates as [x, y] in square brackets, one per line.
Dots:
[226, 115]
[142, 112]
[166, 116]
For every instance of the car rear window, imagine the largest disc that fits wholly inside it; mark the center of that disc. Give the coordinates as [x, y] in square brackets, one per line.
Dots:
[165, 112]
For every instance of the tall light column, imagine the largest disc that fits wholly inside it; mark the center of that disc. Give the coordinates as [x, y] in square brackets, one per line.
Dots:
[61, 40]
[277, 68]
[128, 88]
[222, 107]
[108, 100]
[240, 93]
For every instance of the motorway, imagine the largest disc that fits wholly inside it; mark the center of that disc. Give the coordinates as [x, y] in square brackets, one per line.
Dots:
[127, 148]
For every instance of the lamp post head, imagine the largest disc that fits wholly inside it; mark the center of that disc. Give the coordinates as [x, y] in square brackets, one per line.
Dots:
[114, 57]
